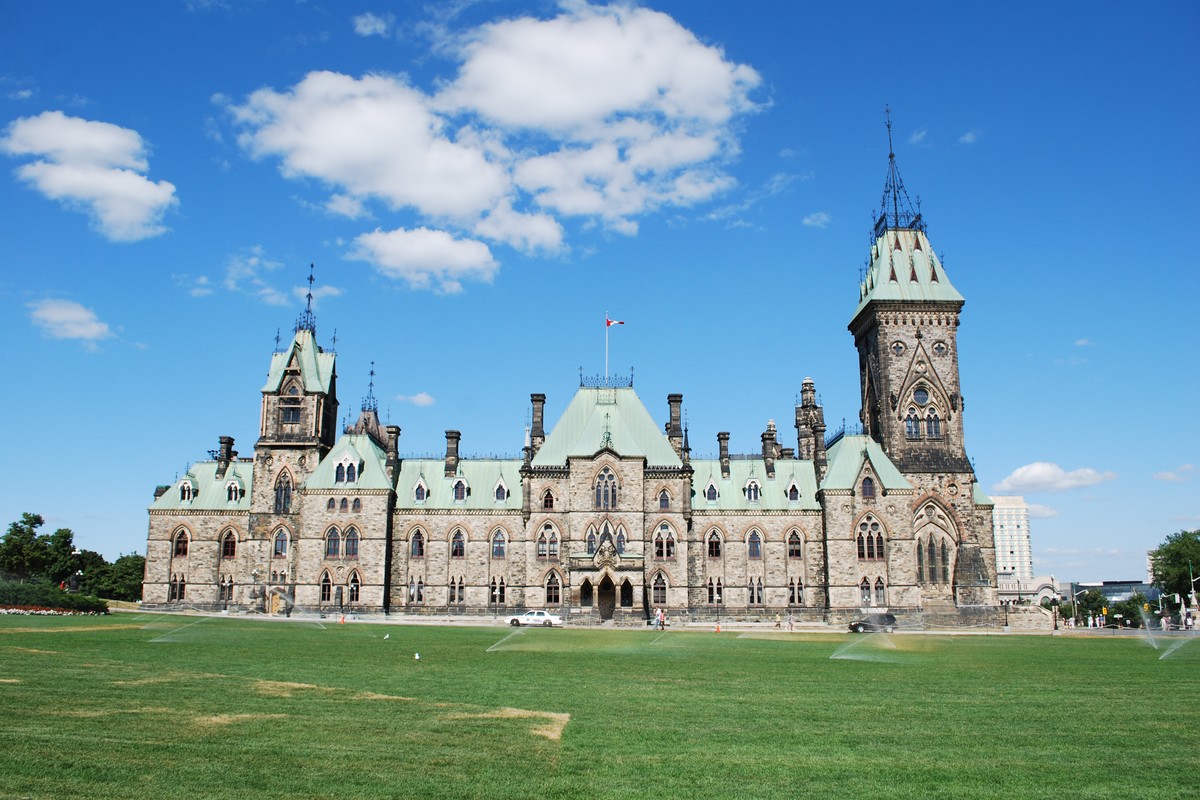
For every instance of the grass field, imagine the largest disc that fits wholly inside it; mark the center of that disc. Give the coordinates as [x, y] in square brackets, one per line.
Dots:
[134, 706]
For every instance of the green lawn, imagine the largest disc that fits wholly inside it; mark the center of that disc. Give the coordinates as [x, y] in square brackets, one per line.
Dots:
[187, 707]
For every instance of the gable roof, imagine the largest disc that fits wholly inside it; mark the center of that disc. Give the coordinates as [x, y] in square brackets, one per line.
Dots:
[904, 268]
[369, 460]
[481, 476]
[772, 491]
[846, 458]
[209, 491]
[616, 418]
[316, 366]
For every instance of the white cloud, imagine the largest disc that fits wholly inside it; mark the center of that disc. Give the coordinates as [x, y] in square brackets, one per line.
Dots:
[1084, 343]
[820, 219]
[1180, 474]
[600, 113]
[418, 399]
[426, 258]
[1042, 476]
[369, 24]
[65, 319]
[970, 137]
[1039, 511]
[920, 136]
[93, 165]
[200, 286]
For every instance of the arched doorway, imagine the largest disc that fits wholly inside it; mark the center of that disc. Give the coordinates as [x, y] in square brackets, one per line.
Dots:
[607, 597]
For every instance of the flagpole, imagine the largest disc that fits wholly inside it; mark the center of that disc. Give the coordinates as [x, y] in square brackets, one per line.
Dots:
[606, 327]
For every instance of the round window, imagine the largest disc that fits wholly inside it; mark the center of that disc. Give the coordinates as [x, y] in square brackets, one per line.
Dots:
[921, 396]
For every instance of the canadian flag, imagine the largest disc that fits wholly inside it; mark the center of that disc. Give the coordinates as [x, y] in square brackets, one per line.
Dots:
[608, 323]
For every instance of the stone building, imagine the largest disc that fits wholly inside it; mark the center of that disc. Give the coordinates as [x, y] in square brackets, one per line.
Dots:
[607, 515]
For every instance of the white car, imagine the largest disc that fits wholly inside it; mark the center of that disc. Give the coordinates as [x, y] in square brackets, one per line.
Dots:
[543, 618]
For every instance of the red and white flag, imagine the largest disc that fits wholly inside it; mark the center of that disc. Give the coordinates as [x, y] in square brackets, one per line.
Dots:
[608, 323]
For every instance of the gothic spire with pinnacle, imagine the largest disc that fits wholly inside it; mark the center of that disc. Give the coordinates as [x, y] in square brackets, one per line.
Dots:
[307, 321]
[895, 209]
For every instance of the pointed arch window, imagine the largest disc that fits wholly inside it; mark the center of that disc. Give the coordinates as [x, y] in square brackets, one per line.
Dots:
[460, 491]
[417, 545]
[945, 563]
[185, 492]
[333, 543]
[591, 542]
[229, 545]
[793, 493]
[868, 488]
[548, 501]
[870, 540]
[356, 505]
[281, 544]
[754, 545]
[420, 493]
[499, 545]
[933, 424]
[664, 542]
[355, 587]
[553, 590]
[710, 493]
[658, 590]
[620, 543]
[551, 541]
[795, 545]
[664, 500]
[497, 596]
[458, 545]
[283, 494]
[233, 492]
[714, 545]
[543, 545]
[912, 425]
[920, 561]
[880, 592]
[351, 543]
[326, 588]
[606, 489]
[754, 592]
[796, 592]
[501, 493]
[181, 544]
[714, 591]
[752, 491]
[864, 592]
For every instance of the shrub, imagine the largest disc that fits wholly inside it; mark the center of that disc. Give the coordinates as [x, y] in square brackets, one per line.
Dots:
[47, 596]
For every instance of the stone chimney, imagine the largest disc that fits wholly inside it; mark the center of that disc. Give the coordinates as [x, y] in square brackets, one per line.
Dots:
[675, 424]
[810, 427]
[723, 447]
[452, 438]
[770, 450]
[225, 454]
[393, 451]
[537, 433]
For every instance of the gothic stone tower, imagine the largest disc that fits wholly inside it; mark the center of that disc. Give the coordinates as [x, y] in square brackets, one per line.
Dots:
[905, 329]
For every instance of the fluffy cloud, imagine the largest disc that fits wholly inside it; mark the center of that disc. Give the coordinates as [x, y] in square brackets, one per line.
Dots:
[1039, 511]
[369, 24]
[919, 137]
[418, 399]
[65, 319]
[820, 219]
[1042, 476]
[603, 114]
[970, 137]
[1178, 475]
[93, 165]
[426, 258]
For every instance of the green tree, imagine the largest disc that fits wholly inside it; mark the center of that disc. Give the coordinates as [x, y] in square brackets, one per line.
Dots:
[23, 554]
[1133, 609]
[1174, 561]
[124, 579]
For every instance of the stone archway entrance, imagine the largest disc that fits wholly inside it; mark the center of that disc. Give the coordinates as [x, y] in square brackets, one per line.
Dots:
[606, 595]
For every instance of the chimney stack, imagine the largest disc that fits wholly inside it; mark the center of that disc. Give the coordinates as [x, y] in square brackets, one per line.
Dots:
[675, 424]
[537, 433]
[452, 438]
[393, 451]
[770, 449]
[225, 454]
[723, 446]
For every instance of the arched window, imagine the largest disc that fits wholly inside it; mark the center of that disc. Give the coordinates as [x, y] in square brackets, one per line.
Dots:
[543, 545]
[933, 425]
[552, 540]
[181, 543]
[498, 545]
[283, 494]
[355, 585]
[419, 493]
[501, 493]
[497, 596]
[664, 500]
[417, 547]
[793, 493]
[658, 590]
[880, 592]
[351, 543]
[714, 545]
[182, 587]
[754, 545]
[931, 554]
[281, 544]
[553, 590]
[548, 500]
[870, 540]
[591, 542]
[752, 491]
[795, 545]
[229, 545]
[620, 542]
[864, 592]
[356, 505]
[585, 593]
[460, 491]
[333, 543]
[710, 493]
[912, 425]
[174, 592]
[668, 540]
[185, 492]
[326, 588]
[232, 491]
[945, 564]
[458, 545]
[351, 473]
[868, 489]
[344, 505]
[340, 474]
[796, 592]
[660, 545]
[920, 562]
[331, 505]
[606, 489]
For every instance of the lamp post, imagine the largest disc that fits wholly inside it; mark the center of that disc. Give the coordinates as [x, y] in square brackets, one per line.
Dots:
[1075, 603]
[1054, 610]
[718, 611]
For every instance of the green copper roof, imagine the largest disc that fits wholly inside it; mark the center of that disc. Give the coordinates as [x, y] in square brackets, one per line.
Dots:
[904, 268]
[315, 365]
[613, 418]
[208, 492]
[980, 497]
[369, 462]
[482, 478]
[846, 459]
[733, 494]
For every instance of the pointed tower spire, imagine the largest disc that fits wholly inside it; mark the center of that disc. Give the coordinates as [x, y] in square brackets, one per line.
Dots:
[895, 209]
[308, 321]
[369, 402]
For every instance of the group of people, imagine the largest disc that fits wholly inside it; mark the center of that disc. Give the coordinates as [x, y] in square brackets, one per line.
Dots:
[660, 619]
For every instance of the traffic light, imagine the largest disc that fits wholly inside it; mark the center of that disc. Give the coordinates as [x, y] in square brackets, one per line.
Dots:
[1104, 610]
[1145, 606]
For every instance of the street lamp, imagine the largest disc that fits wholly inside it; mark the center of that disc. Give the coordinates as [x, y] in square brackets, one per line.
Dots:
[718, 611]
[1054, 610]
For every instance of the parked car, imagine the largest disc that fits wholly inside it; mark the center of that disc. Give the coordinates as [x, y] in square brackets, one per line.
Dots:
[537, 617]
[874, 622]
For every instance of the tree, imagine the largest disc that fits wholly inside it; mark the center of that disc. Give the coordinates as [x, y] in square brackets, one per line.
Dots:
[23, 554]
[1133, 609]
[125, 578]
[1174, 561]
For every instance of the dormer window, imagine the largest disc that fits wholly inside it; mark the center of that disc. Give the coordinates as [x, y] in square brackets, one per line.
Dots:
[710, 493]
[186, 493]
[752, 491]
[460, 491]
[233, 492]
[420, 493]
[346, 472]
[793, 493]
[501, 492]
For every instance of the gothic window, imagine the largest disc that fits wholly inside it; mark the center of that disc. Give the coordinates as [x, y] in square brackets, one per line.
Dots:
[417, 547]
[174, 590]
[458, 545]
[326, 588]
[340, 474]
[933, 425]
[331, 505]
[794, 545]
[356, 505]
[181, 543]
[626, 594]
[912, 426]
[714, 545]
[864, 592]
[660, 545]
[945, 564]
[714, 591]
[797, 592]
[498, 545]
[355, 586]
[752, 491]
[497, 591]
[793, 493]
[460, 491]
[281, 544]
[755, 592]
[333, 543]
[419, 493]
[283, 494]
[870, 540]
[931, 553]
[552, 540]
[185, 492]
[344, 505]
[620, 543]
[229, 545]
[668, 537]
[880, 592]
[868, 489]
[658, 591]
[548, 500]
[710, 493]
[585, 593]
[606, 489]
[664, 500]
[921, 396]
[754, 545]
[351, 473]
[351, 543]
[553, 590]
[920, 562]
[591, 542]
[232, 492]
[543, 545]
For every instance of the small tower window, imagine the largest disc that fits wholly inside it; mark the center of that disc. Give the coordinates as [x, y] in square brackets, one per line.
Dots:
[664, 500]
[283, 494]
[868, 489]
[548, 501]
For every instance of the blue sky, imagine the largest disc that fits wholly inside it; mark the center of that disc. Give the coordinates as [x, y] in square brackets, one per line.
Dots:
[478, 183]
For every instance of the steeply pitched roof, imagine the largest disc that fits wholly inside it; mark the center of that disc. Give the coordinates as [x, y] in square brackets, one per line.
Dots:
[208, 492]
[904, 268]
[614, 418]
[316, 366]
[369, 463]
[846, 459]
[731, 495]
[481, 476]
